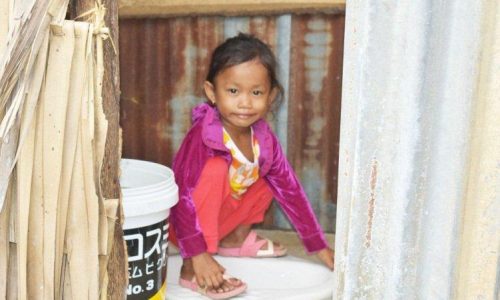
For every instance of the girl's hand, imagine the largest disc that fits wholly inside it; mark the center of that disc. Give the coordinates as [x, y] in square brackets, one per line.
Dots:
[326, 256]
[207, 270]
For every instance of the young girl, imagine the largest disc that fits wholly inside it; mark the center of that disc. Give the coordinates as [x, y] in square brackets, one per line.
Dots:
[229, 167]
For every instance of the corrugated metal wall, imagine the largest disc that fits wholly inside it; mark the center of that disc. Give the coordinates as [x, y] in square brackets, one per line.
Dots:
[419, 198]
[163, 65]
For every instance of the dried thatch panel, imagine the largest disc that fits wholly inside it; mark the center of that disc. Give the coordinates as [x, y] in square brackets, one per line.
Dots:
[26, 31]
[56, 229]
[4, 23]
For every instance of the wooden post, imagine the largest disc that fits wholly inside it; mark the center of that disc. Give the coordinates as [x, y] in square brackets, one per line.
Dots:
[117, 265]
[149, 8]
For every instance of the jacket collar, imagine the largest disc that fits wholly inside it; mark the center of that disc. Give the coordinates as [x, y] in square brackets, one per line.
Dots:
[211, 127]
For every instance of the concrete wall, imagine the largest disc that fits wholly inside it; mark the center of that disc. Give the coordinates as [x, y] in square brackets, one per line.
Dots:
[419, 171]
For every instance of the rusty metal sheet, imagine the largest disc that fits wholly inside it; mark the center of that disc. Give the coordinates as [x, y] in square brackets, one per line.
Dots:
[163, 65]
[314, 108]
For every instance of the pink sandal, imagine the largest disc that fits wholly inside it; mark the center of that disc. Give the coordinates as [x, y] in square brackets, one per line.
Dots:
[193, 285]
[252, 248]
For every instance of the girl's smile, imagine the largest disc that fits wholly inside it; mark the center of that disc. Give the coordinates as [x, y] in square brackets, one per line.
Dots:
[242, 94]
[244, 116]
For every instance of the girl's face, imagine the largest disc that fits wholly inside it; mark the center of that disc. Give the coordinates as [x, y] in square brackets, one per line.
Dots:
[242, 94]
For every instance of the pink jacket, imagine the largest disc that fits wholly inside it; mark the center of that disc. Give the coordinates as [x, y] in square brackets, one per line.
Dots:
[203, 141]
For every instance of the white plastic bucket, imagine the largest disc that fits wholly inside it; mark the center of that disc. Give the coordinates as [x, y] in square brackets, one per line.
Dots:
[149, 191]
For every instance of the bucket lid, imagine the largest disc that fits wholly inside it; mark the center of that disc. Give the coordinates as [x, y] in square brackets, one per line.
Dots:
[146, 187]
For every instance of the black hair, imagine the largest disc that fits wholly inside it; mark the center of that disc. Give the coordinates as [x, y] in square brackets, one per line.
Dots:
[240, 49]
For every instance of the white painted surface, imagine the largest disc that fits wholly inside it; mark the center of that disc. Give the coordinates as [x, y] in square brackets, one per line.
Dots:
[285, 278]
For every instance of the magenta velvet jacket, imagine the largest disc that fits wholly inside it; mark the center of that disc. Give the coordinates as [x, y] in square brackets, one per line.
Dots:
[203, 141]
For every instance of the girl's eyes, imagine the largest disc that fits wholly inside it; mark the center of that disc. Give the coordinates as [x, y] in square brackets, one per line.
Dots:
[234, 91]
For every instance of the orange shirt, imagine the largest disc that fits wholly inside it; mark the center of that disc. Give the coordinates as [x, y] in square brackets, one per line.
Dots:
[242, 172]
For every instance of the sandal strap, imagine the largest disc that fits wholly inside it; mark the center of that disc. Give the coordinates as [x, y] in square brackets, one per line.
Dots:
[251, 246]
[193, 285]
[202, 289]
[269, 251]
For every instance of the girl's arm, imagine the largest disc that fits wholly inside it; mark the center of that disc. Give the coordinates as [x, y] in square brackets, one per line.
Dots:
[326, 256]
[290, 195]
[187, 168]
